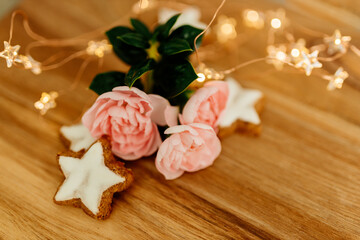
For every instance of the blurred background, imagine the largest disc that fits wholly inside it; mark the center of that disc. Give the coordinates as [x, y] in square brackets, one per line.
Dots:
[70, 18]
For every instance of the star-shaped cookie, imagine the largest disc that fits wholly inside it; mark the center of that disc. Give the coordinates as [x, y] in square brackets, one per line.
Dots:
[91, 179]
[76, 137]
[242, 111]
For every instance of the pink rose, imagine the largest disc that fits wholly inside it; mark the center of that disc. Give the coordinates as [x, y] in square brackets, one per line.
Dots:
[190, 148]
[126, 115]
[207, 105]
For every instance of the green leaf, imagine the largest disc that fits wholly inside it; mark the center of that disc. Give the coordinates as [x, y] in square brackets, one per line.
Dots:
[161, 32]
[105, 82]
[169, 24]
[156, 33]
[135, 40]
[140, 28]
[187, 33]
[174, 46]
[138, 70]
[129, 54]
[172, 76]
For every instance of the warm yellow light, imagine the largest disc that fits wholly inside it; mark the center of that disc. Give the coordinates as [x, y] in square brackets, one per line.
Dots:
[338, 82]
[39, 105]
[253, 19]
[144, 4]
[201, 77]
[295, 52]
[227, 28]
[45, 98]
[281, 56]
[275, 23]
[337, 41]
[252, 16]
[98, 48]
[46, 102]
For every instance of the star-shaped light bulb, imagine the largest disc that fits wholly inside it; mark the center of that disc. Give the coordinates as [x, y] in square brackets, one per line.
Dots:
[30, 63]
[336, 80]
[10, 54]
[309, 62]
[98, 48]
[297, 49]
[278, 19]
[275, 23]
[277, 56]
[337, 43]
[208, 74]
[253, 19]
[225, 29]
[46, 102]
[201, 77]
[141, 5]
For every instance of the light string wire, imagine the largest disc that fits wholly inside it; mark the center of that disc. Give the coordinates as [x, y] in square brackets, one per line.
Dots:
[41, 41]
[207, 27]
[290, 38]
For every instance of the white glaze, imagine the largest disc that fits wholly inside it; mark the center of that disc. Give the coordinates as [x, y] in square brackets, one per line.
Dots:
[240, 104]
[86, 178]
[78, 136]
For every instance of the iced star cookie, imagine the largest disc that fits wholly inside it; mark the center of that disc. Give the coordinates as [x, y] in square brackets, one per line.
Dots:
[77, 137]
[242, 112]
[91, 179]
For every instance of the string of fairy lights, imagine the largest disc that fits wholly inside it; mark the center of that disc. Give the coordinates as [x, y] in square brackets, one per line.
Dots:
[293, 53]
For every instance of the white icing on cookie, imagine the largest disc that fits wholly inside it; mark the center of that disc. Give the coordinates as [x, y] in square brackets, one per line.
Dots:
[86, 178]
[78, 136]
[240, 105]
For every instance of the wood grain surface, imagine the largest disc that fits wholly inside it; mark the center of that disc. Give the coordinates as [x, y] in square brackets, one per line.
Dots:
[299, 180]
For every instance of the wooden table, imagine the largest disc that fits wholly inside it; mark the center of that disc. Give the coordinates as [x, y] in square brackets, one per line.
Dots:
[299, 180]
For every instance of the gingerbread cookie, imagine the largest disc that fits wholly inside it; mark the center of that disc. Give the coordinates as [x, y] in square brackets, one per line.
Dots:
[242, 112]
[91, 179]
[76, 137]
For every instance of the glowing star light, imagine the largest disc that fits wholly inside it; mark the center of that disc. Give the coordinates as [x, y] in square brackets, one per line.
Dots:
[30, 63]
[277, 56]
[141, 6]
[206, 73]
[309, 62]
[297, 49]
[98, 48]
[337, 43]
[46, 102]
[278, 20]
[336, 80]
[253, 19]
[10, 53]
[225, 29]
